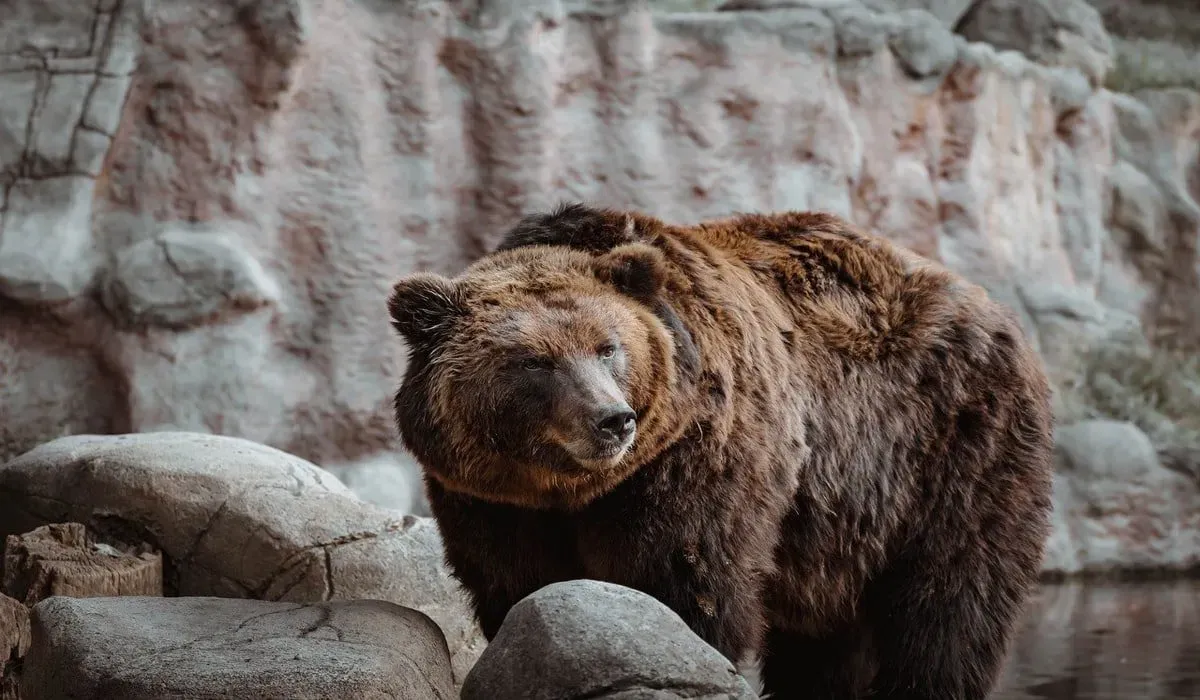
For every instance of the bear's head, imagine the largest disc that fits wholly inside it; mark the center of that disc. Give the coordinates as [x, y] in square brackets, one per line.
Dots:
[538, 377]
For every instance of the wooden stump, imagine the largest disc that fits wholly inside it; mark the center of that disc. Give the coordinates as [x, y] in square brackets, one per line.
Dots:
[14, 642]
[65, 559]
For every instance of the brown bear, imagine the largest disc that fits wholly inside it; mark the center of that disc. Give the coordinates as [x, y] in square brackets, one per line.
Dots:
[808, 442]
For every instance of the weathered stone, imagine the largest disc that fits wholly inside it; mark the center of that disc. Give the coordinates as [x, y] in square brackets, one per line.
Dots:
[861, 33]
[150, 648]
[45, 236]
[90, 149]
[947, 12]
[1155, 43]
[923, 45]
[105, 103]
[1120, 508]
[58, 116]
[14, 642]
[1070, 90]
[36, 362]
[1139, 208]
[123, 41]
[238, 519]
[65, 559]
[182, 278]
[47, 27]
[768, 5]
[599, 640]
[1055, 32]
[19, 89]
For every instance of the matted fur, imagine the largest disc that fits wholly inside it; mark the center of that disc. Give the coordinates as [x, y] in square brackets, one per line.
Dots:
[842, 458]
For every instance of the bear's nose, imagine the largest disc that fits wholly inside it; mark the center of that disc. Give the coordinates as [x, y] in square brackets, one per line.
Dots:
[616, 423]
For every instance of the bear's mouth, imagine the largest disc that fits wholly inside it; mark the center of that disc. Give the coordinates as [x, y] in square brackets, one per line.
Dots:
[599, 453]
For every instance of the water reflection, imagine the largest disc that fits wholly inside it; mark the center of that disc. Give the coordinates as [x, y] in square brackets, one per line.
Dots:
[1118, 641]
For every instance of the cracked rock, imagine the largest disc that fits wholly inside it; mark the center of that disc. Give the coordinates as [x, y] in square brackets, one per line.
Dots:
[182, 279]
[46, 240]
[19, 89]
[238, 519]
[599, 640]
[151, 648]
[59, 115]
[104, 106]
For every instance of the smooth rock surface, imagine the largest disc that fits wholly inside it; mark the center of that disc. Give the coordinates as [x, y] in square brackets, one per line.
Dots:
[153, 648]
[45, 240]
[237, 519]
[599, 640]
[922, 45]
[1118, 507]
[185, 278]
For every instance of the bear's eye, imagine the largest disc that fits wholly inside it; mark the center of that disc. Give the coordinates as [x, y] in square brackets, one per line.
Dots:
[606, 351]
[536, 363]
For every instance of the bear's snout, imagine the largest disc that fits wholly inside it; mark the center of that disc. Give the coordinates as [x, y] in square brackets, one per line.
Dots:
[615, 423]
[595, 423]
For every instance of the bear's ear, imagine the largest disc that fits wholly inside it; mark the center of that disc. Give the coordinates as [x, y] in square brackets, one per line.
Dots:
[637, 269]
[423, 306]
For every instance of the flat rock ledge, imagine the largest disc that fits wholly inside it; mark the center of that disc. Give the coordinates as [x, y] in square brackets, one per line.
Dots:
[589, 639]
[144, 648]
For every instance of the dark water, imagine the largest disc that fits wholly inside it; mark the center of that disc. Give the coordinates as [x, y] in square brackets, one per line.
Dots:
[1120, 641]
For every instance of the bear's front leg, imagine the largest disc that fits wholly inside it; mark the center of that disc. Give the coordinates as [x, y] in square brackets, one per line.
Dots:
[500, 554]
[704, 553]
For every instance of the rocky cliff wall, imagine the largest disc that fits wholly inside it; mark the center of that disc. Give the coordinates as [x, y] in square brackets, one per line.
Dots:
[204, 203]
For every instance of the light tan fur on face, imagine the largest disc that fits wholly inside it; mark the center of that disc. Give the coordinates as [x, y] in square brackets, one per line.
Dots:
[549, 304]
[570, 332]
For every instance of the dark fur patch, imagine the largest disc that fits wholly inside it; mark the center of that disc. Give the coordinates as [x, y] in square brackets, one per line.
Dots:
[574, 225]
[423, 307]
[636, 269]
[687, 356]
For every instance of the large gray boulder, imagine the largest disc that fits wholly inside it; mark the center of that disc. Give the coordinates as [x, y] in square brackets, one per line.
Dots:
[141, 648]
[589, 639]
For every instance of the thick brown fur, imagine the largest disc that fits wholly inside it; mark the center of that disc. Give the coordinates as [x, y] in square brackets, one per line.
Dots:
[842, 457]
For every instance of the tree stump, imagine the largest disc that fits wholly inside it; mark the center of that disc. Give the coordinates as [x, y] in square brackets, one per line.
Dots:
[14, 642]
[65, 559]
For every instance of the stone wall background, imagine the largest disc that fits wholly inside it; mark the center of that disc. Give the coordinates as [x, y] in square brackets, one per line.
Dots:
[203, 204]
